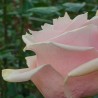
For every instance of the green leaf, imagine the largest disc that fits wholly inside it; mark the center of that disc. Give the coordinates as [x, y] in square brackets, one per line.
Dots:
[30, 96]
[74, 7]
[10, 89]
[44, 10]
[19, 96]
[96, 96]
[10, 7]
[1, 12]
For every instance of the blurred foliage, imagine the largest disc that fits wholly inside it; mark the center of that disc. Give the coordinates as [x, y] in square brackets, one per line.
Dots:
[16, 17]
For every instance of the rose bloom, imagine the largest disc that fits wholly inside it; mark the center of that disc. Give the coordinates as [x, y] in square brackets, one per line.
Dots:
[66, 60]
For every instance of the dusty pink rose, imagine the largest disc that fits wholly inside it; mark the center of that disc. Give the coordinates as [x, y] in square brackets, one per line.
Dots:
[66, 60]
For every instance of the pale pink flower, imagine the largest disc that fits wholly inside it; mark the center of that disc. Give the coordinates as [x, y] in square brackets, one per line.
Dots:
[66, 60]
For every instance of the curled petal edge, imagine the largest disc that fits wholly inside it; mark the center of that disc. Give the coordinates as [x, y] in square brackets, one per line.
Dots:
[54, 44]
[20, 75]
[82, 70]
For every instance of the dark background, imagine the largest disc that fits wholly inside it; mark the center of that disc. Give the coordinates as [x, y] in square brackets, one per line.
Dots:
[16, 17]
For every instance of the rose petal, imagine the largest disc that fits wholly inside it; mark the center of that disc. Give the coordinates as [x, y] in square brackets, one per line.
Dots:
[49, 31]
[47, 26]
[77, 22]
[32, 32]
[19, 75]
[96, 13]
[84, 69]
[62, 22]
[85, 74]
[28, 39]
[31, 61]
[84, 36]
[94, 21]
[62, 57]
[49, 82]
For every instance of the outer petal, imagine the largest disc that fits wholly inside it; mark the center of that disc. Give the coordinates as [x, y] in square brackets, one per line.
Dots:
[19, 75]
[62, 57]
[45, 78]
[84, 75]
[85, 36]
[50, 31]
[49, 82]
[77, 22]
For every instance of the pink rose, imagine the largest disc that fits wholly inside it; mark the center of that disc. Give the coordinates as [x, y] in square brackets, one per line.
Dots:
[66, 60]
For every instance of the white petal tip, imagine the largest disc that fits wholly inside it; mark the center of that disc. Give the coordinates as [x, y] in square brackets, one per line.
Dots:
[6, 73]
